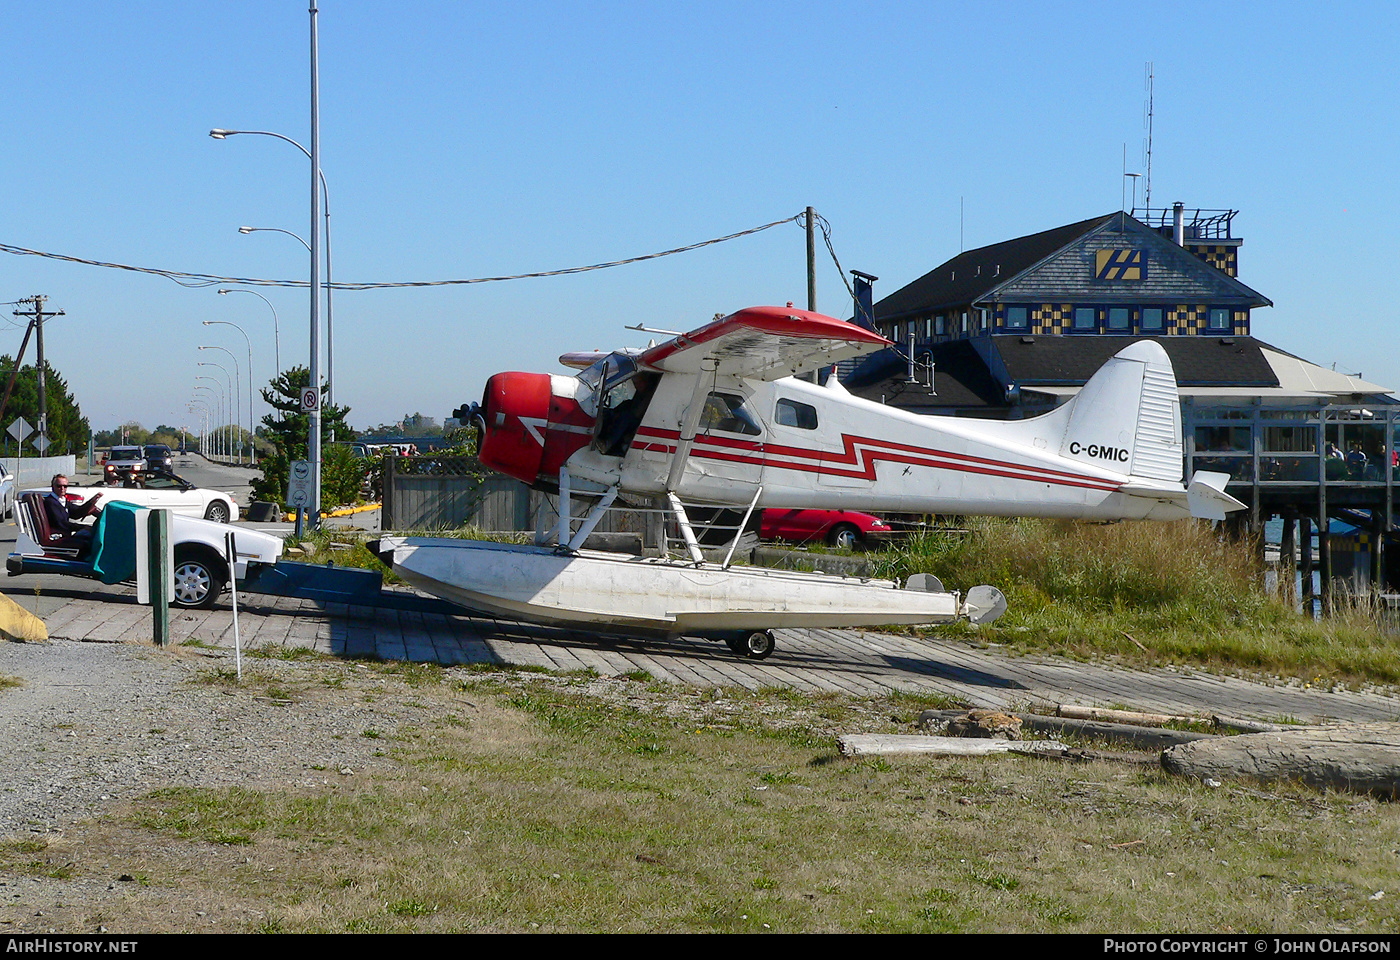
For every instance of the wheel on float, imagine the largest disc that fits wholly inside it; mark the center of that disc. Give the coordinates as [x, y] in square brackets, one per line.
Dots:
[759, 644]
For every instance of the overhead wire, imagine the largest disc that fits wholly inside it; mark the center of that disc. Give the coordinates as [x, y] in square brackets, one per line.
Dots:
[207, 279]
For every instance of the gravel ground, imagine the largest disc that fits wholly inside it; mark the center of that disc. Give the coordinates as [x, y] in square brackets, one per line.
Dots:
[92, 725]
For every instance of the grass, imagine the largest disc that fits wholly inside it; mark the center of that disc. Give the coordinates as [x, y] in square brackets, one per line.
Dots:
[557, 807]
[1180, 590]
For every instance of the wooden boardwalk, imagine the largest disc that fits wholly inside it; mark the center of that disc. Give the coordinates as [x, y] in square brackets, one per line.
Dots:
[854, 662]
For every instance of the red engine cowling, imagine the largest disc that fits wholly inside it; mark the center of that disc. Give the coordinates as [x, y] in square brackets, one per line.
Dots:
[531, 428]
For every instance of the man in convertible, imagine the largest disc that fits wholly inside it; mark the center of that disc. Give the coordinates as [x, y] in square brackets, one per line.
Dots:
[63, 515]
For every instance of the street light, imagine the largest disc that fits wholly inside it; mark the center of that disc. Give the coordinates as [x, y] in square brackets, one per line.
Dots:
[216, 392]
[276, 334]
[314, 155]
[229, 323]
[228, 382]
[220, 134]
[215, 406]
[248, 230]
[204, 415]
[237, 395]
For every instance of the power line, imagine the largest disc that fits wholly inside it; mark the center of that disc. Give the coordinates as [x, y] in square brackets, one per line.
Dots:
[208, 279]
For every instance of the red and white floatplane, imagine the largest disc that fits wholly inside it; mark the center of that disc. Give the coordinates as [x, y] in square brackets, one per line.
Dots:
[719, 417]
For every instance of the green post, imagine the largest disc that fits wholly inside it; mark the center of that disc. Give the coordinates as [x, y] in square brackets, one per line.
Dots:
[158, 541]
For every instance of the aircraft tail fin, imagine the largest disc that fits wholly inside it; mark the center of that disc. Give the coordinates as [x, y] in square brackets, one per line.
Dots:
[1128, 416]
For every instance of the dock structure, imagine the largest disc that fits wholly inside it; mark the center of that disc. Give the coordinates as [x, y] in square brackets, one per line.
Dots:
[1308, 466]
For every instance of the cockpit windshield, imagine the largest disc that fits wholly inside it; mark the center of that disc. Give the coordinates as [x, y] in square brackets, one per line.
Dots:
[612, 373]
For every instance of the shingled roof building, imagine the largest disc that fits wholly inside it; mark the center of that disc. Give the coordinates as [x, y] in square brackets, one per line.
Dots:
[1016, 328]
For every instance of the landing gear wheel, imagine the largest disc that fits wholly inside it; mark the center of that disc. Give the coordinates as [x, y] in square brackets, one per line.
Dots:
[759, 644]
[198, 583]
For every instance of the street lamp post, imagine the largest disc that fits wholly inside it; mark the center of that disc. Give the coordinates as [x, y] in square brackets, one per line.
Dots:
[204, 419]
[317, 176]
[276, 334]
[216, 393]
[215, 406]
[219, 134]
[228, 383]
[228, 323]
[237, 397]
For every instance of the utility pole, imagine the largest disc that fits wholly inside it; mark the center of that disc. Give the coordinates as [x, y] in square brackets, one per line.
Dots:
[811, 260]
[37, 316]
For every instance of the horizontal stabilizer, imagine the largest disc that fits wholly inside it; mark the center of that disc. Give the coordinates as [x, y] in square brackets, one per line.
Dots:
[1206, 496]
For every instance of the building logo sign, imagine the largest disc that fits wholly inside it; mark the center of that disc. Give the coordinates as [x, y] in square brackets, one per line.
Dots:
[1120, 265]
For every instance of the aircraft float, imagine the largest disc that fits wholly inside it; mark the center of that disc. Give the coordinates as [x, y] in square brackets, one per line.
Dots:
[718, 417]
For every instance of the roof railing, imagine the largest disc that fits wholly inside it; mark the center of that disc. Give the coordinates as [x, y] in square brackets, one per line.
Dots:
[1197, 224]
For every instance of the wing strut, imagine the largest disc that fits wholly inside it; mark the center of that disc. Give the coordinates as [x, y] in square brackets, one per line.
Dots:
[686, 439]
[683, 521]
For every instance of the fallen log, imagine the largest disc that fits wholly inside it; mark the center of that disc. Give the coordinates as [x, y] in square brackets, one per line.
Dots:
[886, 744]
[1132, 717]
[1141, 738]
[1359, 757]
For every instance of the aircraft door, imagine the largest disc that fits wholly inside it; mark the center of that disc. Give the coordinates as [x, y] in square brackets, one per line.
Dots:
[727, 460]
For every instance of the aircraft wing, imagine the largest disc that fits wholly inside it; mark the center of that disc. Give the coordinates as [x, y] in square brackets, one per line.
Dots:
[764, 343]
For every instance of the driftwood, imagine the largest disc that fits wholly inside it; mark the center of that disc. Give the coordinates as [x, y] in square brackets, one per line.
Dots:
[1360, 757]
[871, 744]
[1120, 716]
[1142, 738]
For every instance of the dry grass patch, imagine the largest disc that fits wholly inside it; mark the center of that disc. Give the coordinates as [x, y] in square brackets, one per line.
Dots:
[536, 802]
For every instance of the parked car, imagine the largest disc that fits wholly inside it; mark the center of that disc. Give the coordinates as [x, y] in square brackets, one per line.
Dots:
[158, 457]
[200, 572]
[846, 529]
[122, 462]
[7, 492]
[161, 489]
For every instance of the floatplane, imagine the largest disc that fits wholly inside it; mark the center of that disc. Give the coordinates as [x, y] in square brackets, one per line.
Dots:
[719, 417]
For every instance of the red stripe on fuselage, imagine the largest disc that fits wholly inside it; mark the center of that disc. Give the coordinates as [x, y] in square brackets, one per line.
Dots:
[861, 455]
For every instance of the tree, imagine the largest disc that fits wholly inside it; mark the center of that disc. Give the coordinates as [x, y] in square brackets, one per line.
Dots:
[68, 429]
[288, 428]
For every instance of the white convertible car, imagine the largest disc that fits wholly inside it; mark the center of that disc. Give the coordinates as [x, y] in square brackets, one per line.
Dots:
[165, 490]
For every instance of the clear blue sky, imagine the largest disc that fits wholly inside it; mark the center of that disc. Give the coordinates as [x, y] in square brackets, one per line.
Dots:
[466, 140]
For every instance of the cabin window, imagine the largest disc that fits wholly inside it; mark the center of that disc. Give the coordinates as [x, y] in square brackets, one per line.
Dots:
[725, 411]
[1151, 319]
[1218, 319]
[1118, 319]
[1016, 318]
[1086, 318]
[794, 414]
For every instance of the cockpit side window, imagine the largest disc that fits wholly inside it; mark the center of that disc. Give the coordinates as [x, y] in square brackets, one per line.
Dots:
[726, 411]
[624, 405]
[790, 413]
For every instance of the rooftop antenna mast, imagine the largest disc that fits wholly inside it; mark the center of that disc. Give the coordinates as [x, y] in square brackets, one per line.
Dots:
[1147, 197]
